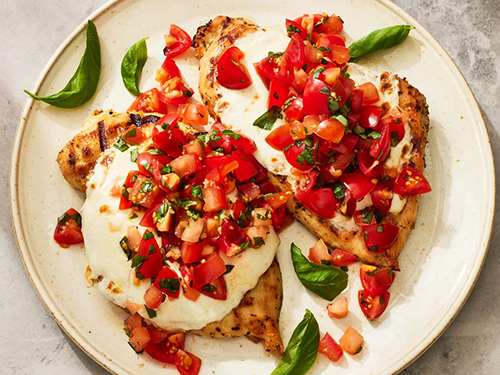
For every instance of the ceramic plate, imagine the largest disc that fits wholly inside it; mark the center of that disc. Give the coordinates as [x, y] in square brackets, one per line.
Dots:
[441, 260]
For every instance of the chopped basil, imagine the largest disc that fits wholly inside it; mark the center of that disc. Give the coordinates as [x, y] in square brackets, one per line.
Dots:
[209, 288]
[221, 216]
[326, 262]
[131, 133]
[259, 241]
[197, 191]
[265, 217]
[302, 349]
[288, 102]
[120, 144]
[274, 54]
[193, 214]
[398, 120]
[324, 49]
[231, 134]
[166, 169]
[341, 119]
[126, 249]
[132, 65]
[360, 131]
[137, 260]
[292, 29]
[375, 135]
[148, 235]
[134, 153]
[229, 268]
[188, 93]
[317, 74]
[146, 186]
[339, 191]
[370, 273]
[327, 282]
[127, 331]
[333, 105]
[267, 120]
[366, 217]
[151, 312]
[345, 75]
[325, 90]
[152, 249]
[184, 203]
[380, 228]
[156, 151]
[170, 285]
[133, 216]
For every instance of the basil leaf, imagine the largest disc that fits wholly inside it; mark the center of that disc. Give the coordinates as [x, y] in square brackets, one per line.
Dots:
[132, 65]
[83, 85]
[378, 40]
[267, 120]
[326, 281]
[302, 349]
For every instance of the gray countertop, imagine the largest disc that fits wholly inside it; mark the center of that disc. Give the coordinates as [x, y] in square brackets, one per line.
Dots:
[32, 342]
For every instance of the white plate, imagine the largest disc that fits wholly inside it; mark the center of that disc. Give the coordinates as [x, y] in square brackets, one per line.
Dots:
[441, 260]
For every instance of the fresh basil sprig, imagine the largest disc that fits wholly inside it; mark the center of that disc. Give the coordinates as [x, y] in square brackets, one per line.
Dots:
[267, 120]
[302, 349]
[82, 86]
[378, 40]
[326, 281]
[132, 65]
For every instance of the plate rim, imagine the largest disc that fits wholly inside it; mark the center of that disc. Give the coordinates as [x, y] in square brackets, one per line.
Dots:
[100, 357]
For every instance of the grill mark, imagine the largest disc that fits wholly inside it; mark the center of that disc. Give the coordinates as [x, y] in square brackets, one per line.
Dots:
[103, 142]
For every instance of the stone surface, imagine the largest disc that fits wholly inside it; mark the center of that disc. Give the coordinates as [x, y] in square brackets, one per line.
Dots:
[32, 342]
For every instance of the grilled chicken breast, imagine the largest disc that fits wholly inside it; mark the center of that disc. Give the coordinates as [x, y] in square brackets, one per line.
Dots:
[258, 313]
[215, 37]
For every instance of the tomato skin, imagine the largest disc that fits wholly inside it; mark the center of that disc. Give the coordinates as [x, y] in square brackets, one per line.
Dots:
[374, 280]
[370, 116]
[192, 251]
[306, 183]
[351, 341]
[330, 172]
[149, 198]
[215, 199]
[296, 51]
[187, 363]
[148, 101]
[278, 93]
[370, 166]
[165, 350]
[183, 42]
[69, 229]
[320, 202]
[152, 266]
[246, 169]
[411, 182]
[358, 184]
[139, 339]
[170, 141]
[167, 71]
[205, 273]
[315, 101]
[292, 27]
[192, 113]
[330, 348]
[276, 67]
[153, 297]
[295, 110]
[332, 24]
[279, 138]
[165, 274]
[293, 153]
[330, 130]
[341, 258]
[338, 309]
[382, 196]
[381, 147]
[185, 165]
[231, 73]
[370, 93]
[319, 252]
[133, 135]
[231, 238]
[371, 305]
[379, 237]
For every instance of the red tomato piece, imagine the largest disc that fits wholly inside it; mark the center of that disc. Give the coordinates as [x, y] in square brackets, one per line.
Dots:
[168, 282]
[175, 92]
[170, 141]
[279, 138]
[351, 341]
[249, 191]
[348, 204]
[216, 289]
[320, 202]
[278, 199]
[148, 102]
[192, 251]
[139, 339]
[156, 335]
[145, 192]
[275, 67]
[306, 183]
[370, 116]
[181, 42]
[187, 363]
[411, 182]
[186, 164]
[358, 184]
[345, 146]
[215, 199]
[382, 196]
[246, 169]
[374, 280]
[133, 135]
[380, 147]
[291, 155]
[69, 228]
[299, 81]
[370, 93]
[316, 94]
[231, 73]
[330, 172]
[319, 253]
[296, 51]
[167, 71]
[211, 269]
[294, 110]
[153, 297]
[373, 306]
[340, 54]
[149, 258]
[165, 350]
[365, 217]
[329, 347]
[231, 238]
[379, 237]
[278, 93]
[332, 24]
[341, 258]
[370, 166]
[338, 309]
[293, 27]
[330, 130]
[194, 114]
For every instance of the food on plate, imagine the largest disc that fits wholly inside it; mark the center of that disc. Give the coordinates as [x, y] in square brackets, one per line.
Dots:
[341, 137]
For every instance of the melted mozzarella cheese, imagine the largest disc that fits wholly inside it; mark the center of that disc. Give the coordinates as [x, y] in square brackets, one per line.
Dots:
[104, 225]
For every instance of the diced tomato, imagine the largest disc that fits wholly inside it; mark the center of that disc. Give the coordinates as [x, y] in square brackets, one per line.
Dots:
[139, 339]
[215, 199]
[135, 320]
[206, 272]
[148, 102]
[187, 363]
[299, 81]
[341, 258]
[346, 144]
[231, 238]
[192, 251]
[278, 199]
[331, 130]
[133, 135]
[316, 94]
[216, 289]
[370, 166]
[295, 110]
[165, 350]
[168, 282]
[330, 172]
[167, 71]
[178, 41]
[380, 147]
[379, 237]
[145, 192]
[296, 51]
[175, 92]
[370, 93]
[411, 182]
[348, 204]
[194, 147]
[293, 27]
[276, 67]
[320, 202]
[231, 73]
[194, 229]
[291, 155]
[69, 228]
[370, 116]
[246, 169]
[373, 306]
[358, 184]
[157, 335]
[340, 54]
[257, 232]
[329, 347]
[153, 297]
[332, 24]
[319, 253]
[351, 341]
[313, 55]
[278, 93]
[331, 75]
[365, 217]
[133, 237]
[338, 309]
[382, 196]
[249, 191]
[149, 258]
[191, 294]
[376, 281]
[170, 141]
[150, 165]
[194, 114]
[305, 183]
[238, 208]
[185, 165]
